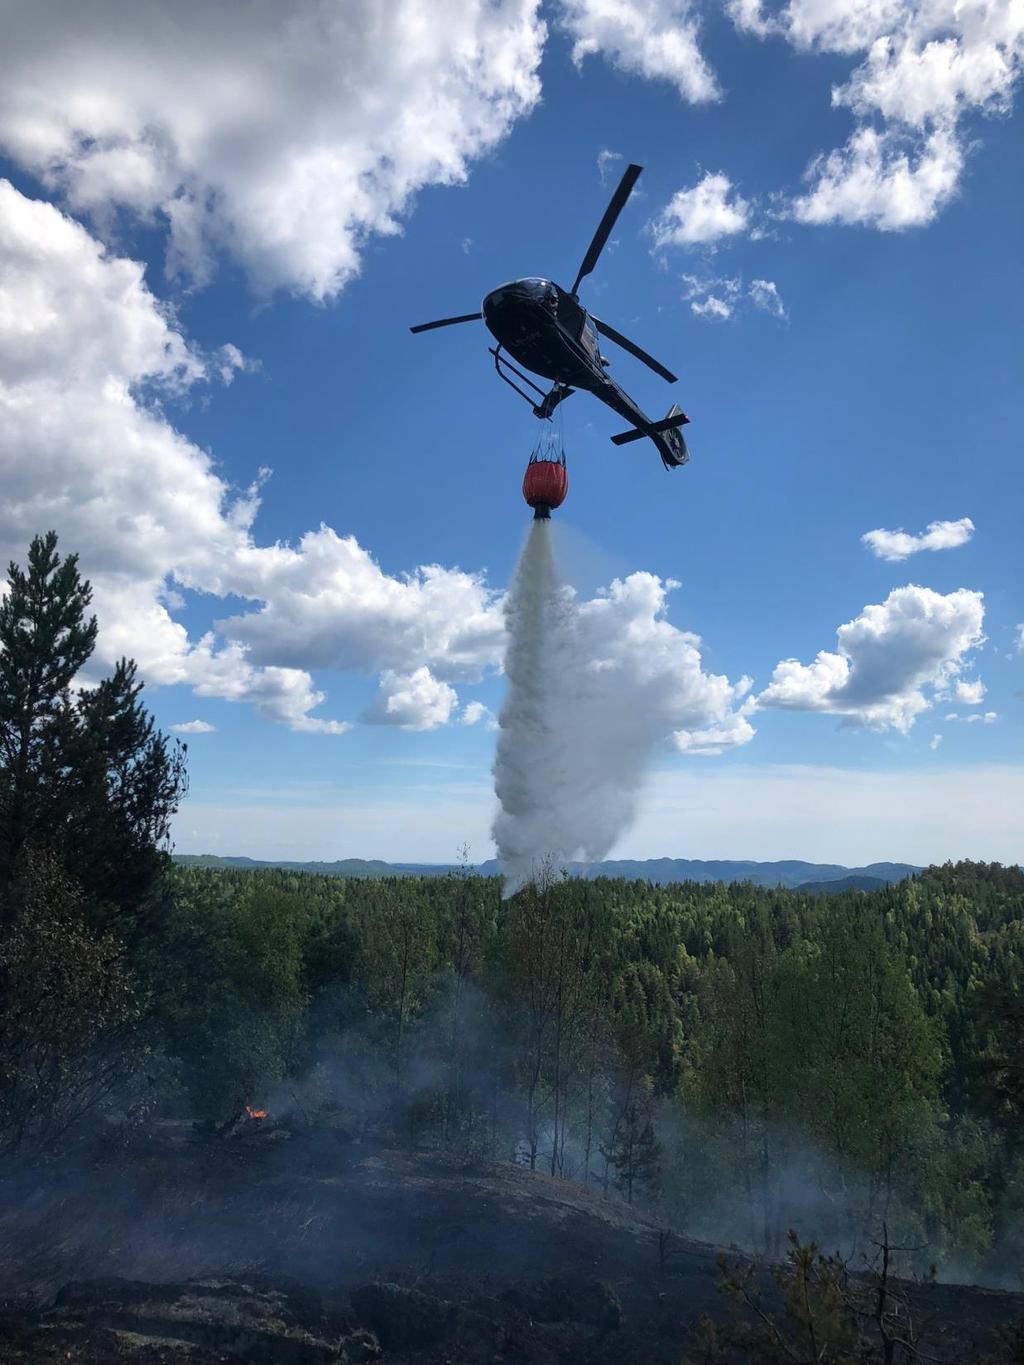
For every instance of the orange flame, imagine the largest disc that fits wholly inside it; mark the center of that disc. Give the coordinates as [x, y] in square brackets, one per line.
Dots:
[255, 1113]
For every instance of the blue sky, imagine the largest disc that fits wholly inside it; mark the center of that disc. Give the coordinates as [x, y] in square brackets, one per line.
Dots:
[886, 396]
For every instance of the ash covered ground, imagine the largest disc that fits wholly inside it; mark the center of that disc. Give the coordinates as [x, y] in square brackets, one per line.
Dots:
[306, 1246]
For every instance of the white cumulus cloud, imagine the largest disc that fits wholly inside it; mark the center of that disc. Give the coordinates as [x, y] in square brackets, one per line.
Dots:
[327, 603]
[924, 65]
[194, 727]
[701, 215]
[413, 701]
[881, 180]
[970, 693]
[732, 730]
[938, 535]
[284, 135]
[652, 38]
[476, 713]
[892, 662]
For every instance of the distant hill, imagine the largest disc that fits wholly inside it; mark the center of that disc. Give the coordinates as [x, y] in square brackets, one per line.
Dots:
[854, 882]
[343, 867]
[793, 874]
[789, 873]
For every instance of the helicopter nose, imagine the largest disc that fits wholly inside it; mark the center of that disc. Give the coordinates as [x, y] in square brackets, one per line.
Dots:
[520, 297]
[498, 300]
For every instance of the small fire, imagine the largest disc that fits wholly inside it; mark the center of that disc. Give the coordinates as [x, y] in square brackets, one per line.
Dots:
[255, 1113]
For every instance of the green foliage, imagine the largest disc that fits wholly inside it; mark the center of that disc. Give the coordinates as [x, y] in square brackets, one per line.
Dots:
[1001, 1067]
[821, 1314]
[633, 1151]
[88, 776]
[128, 779]
[44, 641]
[750, 1056]
[67, 1008]
[87, 789]
[228, 981]
[861, 1059]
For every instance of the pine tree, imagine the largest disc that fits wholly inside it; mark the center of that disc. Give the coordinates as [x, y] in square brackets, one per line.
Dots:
[633, 1150]
[130, 779]
[44, 641]
[87, 776]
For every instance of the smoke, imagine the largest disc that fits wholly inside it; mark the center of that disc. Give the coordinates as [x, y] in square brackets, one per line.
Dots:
[593, 687]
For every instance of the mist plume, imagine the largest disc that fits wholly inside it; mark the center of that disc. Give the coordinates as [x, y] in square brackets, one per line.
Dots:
[593, 686]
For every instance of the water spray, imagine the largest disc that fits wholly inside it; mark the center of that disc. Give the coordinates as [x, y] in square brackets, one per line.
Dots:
[576, 727]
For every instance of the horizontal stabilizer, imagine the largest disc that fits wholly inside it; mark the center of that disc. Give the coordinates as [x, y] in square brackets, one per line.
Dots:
[678, 419]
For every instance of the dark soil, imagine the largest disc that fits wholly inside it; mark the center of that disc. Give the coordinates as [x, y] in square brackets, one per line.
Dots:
[314, 1249]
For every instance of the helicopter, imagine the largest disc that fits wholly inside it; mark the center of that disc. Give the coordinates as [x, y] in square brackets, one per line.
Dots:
[548, 331]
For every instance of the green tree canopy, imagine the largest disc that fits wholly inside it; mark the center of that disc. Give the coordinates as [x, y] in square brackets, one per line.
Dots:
[86, 774]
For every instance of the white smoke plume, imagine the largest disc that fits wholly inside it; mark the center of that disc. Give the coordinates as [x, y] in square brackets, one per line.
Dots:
[593, 687]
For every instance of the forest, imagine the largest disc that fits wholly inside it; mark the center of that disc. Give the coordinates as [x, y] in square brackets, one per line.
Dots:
[747, 1060]
[743, 1060]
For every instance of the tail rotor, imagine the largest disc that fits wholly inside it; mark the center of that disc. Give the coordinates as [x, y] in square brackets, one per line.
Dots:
[671, 446]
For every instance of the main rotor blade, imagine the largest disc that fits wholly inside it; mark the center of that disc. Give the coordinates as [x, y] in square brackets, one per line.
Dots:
[633, 349]
[446, 322]
[615, 207]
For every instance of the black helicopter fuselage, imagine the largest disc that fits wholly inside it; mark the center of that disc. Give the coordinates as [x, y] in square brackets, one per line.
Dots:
[547, 331]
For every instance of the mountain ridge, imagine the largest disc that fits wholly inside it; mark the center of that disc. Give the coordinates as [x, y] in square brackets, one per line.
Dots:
[794, 874]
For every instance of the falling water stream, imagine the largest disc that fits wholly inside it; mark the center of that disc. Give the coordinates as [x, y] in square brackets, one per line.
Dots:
[595, 687]
[575, 730]
[531, 767]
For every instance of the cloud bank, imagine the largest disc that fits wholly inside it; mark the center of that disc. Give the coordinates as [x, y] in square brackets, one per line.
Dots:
[288, 137]
[919, 69]
[87, 355]
[925, 65]
[283, 135]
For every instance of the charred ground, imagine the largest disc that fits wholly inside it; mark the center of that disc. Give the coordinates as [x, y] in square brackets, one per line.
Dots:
[309, 1247]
